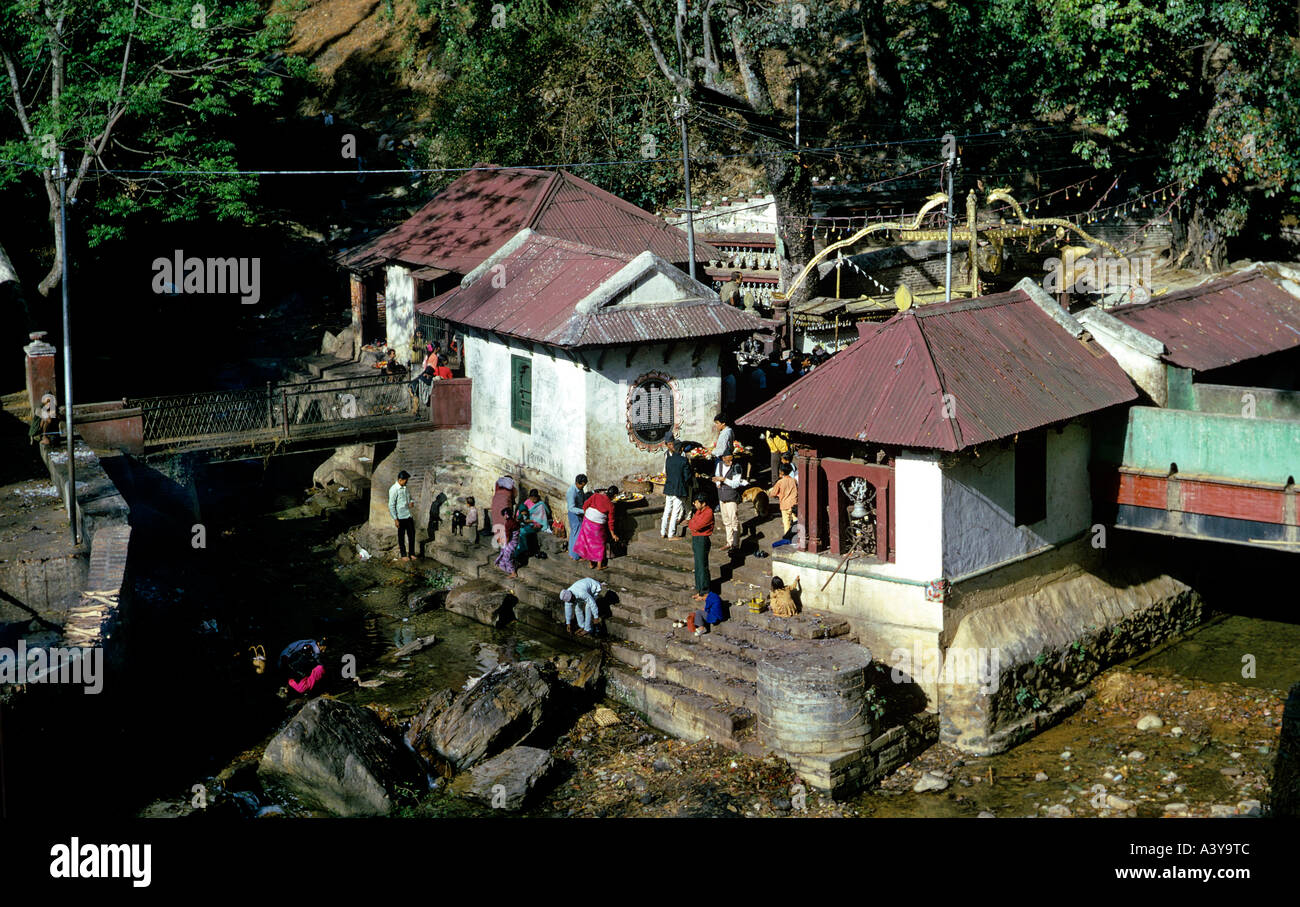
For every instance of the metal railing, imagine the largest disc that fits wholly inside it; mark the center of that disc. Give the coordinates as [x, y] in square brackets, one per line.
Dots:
[277, 411]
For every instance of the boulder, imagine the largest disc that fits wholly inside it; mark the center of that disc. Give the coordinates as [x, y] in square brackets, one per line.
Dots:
[502, 709]
[505, 781]
[1285, 801]
[424, 600]
[429, 710]
[336, 757]
[582, 672]
[1150, 722]
[482, 600]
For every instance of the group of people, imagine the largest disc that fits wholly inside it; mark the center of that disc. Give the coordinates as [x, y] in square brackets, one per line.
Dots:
[516, 525]
[430, 363]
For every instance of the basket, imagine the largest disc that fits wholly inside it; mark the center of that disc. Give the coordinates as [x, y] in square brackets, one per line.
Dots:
[757, 604]
[641, 487]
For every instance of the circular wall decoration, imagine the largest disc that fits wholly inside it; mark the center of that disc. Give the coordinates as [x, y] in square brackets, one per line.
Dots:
[652, 410]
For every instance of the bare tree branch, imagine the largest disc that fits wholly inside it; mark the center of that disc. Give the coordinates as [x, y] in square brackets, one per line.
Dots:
[683, 85]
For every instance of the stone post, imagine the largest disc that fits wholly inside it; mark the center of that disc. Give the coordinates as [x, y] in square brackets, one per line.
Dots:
[40, 369]
[810, 504]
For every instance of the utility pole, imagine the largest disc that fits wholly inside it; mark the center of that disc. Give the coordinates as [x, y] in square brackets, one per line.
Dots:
[949, 165]
[67, 353]
[686, 172]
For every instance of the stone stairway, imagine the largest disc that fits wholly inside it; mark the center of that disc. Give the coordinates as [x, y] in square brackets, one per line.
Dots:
[689, 686]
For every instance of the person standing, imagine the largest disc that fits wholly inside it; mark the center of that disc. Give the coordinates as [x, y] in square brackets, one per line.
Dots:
[575, 500]
[701, 528]
[725, 442]
[582, 597]
[506, 559]
[417, 353]
[676, 477]
[597, 527]
[778, 442]
[399, 508]
[729, 390]
[786, 494]
[730, 480]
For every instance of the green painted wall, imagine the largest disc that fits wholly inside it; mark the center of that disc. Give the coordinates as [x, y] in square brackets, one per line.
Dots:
[1227, 399]
[1231, 447]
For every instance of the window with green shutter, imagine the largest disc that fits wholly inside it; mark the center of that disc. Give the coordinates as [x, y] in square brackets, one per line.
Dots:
[521, 393]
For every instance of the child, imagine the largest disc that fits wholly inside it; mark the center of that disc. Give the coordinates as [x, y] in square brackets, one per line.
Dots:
[781, 602]
[786, 493]
[471, 519]
[698, 622]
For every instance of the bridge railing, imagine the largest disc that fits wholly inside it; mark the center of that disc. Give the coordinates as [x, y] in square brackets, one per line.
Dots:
[275, 411]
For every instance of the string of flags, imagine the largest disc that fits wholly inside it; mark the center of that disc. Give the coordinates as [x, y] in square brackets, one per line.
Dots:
[841, 227]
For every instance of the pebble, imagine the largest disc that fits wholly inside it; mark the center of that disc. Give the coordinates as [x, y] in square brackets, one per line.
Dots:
[1251, 808]
[1233, 755]
[1058, 811]
[1176, 808]
[1041, 776]
[1169, 777]
[1119, 803]
[1149, 722]
[1065, 755]
[1231, 771]
[930, 782]
[984, 813]
[1218, 811]
[1176, 731]
[781, 805]
[662, 765]
[1136, 756]
[646, 799]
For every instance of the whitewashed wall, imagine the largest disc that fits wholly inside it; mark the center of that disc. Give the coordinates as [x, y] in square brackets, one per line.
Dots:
[557, 444]
[979, 504]
[399, 303]
[611, 454]
[579, 417]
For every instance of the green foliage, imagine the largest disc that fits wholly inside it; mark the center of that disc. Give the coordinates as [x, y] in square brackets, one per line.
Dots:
[186, 75]
[1025, 699]
[439, 578]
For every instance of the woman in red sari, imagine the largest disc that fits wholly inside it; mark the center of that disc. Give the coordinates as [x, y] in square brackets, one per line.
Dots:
[597, 527]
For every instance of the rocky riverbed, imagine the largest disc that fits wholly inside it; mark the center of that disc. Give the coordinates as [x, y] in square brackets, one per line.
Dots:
[1148, 742]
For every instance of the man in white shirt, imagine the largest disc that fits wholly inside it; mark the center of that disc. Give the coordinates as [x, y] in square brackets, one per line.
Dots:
[399, 508]
[730, 479]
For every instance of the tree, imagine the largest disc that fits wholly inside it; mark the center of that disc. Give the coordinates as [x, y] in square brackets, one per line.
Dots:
[1204, 94]
[133, 94]
[720, 51]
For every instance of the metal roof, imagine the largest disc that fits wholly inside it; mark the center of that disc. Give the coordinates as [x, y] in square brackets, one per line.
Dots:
[547, 277]
[1219, 323]
[1006, 364]
[475, 215]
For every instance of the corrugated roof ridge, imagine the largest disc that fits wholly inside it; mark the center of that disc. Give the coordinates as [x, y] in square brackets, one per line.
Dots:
[605, 195]
[955, 429]
[548, 192]
[1211, 285]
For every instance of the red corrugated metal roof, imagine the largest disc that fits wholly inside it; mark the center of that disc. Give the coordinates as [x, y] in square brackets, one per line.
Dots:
[1006, 364]
[1241, 317]
[545, 279]
[479, 212]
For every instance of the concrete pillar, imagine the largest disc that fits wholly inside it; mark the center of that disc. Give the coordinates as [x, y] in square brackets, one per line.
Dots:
[40, 364]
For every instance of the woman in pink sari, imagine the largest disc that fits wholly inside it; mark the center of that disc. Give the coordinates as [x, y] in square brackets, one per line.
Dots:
[597, 527]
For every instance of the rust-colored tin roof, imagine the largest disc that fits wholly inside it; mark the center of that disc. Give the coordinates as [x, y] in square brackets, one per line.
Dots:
[545, 279]
[479, 212]
[951, 375]
[1219, 323]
